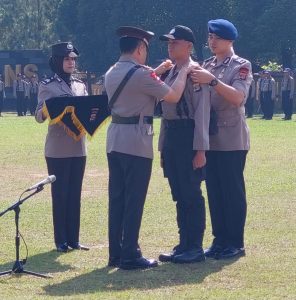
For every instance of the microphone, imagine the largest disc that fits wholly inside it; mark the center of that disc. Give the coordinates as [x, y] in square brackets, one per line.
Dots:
[49, 179]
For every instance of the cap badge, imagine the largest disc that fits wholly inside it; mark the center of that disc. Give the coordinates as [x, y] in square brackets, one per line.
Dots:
[70, 46]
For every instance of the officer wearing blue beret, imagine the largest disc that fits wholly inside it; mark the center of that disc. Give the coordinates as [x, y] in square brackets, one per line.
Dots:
[229, 77]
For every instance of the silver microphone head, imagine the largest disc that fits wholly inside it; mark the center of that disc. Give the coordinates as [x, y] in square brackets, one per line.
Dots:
[52, 178]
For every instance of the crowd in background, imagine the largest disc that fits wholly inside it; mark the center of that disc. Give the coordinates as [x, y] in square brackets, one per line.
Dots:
[269, 92]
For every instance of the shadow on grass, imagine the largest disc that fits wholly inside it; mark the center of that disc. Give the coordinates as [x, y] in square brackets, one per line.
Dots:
[108, 279]
[42, 263]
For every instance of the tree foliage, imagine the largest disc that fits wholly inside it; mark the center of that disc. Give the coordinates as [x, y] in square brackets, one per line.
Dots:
[27, 24]
[266, 28]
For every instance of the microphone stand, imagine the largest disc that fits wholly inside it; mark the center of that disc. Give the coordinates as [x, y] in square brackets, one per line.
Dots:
[18, 266]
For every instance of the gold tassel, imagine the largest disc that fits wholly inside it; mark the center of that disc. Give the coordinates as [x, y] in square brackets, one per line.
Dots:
[89, 137]
[76, 122]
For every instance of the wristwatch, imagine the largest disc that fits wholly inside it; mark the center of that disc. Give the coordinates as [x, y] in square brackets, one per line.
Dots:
[213, 82]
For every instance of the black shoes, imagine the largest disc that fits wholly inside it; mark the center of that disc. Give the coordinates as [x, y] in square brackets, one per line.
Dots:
[168, 257]
[219, 252]
[231, 252]
[65, 247]
[214, 251]
[137, 263]
[114, 262]
[190, 256]
[62, 247]
[78, 246]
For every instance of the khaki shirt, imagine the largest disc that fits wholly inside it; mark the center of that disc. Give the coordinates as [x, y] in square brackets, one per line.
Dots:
[233, 131]
[33, 87]
[198, 102]
[138, 98]
[267, 85]
[18, 86]
[27, 89]
[58, 143]
[287, 84]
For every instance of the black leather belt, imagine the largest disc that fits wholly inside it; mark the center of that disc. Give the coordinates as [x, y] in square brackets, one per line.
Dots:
[182, 123]
[131, 120]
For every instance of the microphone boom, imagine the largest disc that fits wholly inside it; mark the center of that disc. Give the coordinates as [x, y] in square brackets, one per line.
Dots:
[49, 179]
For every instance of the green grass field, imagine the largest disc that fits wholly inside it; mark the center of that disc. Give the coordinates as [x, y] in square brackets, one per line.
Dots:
[267, 272]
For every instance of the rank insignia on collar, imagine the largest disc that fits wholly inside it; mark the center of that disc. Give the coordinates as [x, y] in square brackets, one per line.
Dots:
[226, 60]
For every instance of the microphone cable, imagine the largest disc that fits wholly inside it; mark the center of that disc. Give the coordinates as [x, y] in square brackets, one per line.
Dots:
[27, 250]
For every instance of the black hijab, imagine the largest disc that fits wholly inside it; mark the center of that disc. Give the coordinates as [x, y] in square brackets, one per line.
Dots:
[56, 65]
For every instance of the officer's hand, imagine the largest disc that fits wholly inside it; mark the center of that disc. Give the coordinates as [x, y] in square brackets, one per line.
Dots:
[201, 76]
[189, 66]
[163, 67]
[199, 160]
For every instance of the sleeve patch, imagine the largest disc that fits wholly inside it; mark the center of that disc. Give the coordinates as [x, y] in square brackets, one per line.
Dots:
[154, 76]
[243, 73]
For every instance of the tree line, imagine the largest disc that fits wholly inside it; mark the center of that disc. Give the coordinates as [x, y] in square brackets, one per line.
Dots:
[266, 28]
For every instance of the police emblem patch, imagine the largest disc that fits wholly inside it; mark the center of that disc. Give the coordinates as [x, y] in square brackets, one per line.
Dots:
[243, 73]
[154, 76]
[70, 46]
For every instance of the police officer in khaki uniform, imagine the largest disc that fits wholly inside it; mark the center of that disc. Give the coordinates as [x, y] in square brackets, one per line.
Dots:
[64, 156]
[287, 87]
[250, 101]
[266, 88]
[2, 94]
[33, 94]
[129, 143]
[19, 88]
[184, 138]
[229, 77]
[26, 102]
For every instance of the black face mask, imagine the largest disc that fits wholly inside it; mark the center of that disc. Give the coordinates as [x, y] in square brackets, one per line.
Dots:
[56, 65]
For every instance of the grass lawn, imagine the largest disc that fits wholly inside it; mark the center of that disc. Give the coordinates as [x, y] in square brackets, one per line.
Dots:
[267, 272]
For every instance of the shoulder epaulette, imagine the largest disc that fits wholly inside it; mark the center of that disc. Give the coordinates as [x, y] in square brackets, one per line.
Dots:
[145, 67]
[240, 60]
[48, 80]
[209, 61]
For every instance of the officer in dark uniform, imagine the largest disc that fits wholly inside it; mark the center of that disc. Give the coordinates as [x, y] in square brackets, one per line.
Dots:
[33, 90]
[129, 143]
[287, 88]
[19, 88]
[250, 101]
[184, 138]
[2, 94]
[229, 77]
[266, 87]
[65, 157]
